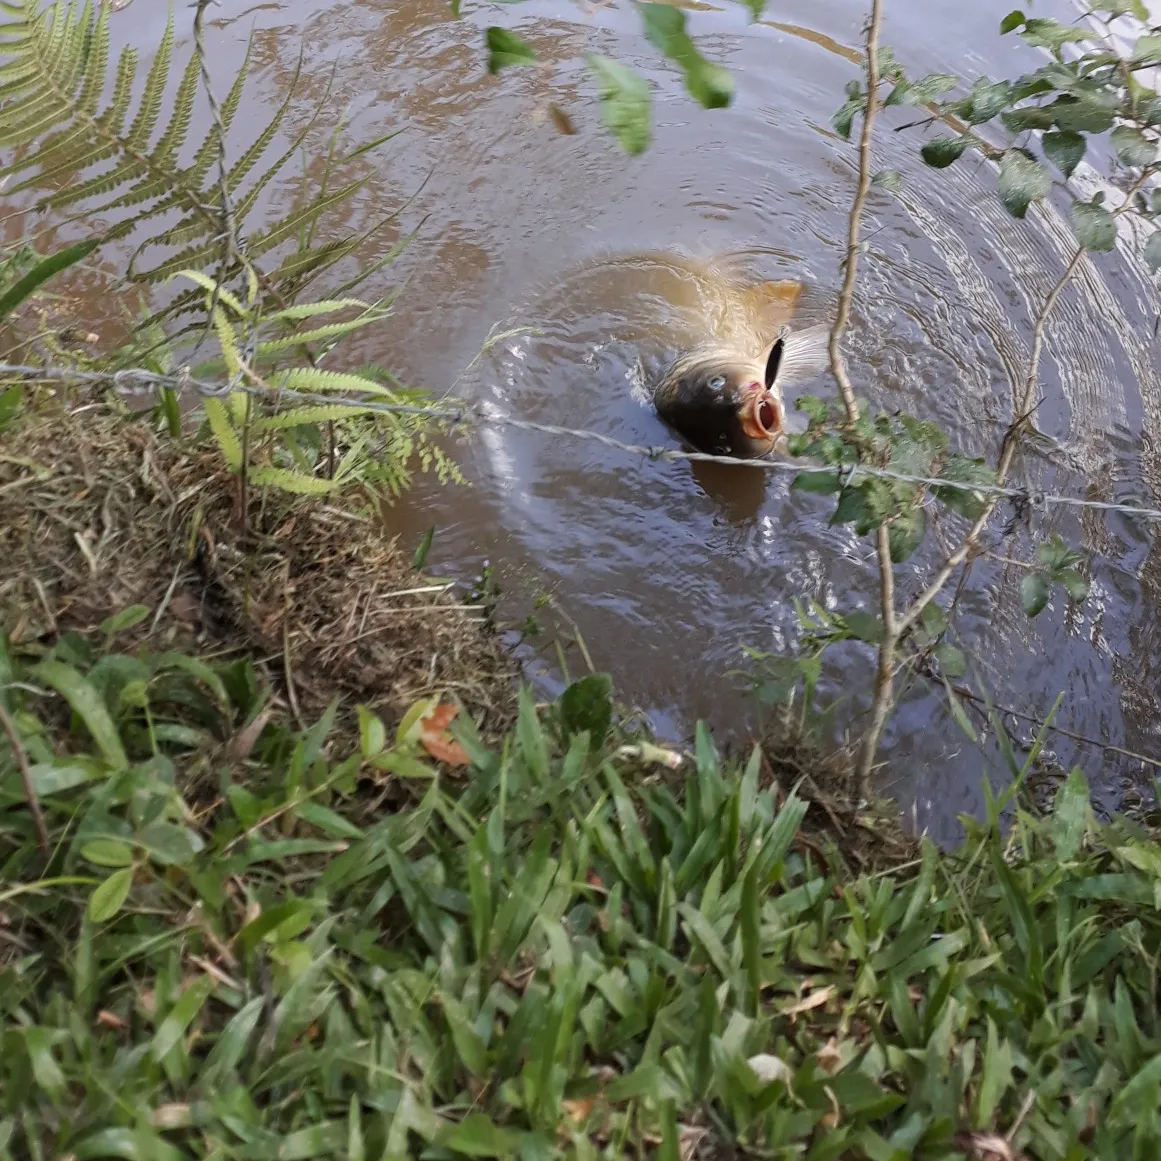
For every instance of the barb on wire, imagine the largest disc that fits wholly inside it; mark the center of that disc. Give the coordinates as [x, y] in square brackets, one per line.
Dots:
[135, 380]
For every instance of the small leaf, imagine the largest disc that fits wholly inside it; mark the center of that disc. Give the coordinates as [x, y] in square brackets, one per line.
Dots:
[889, 179]
[1132, 146]
[709, 84]
[951, 660]
[626, 103]
[437, 742]
[1152, 253]
[905, 534]
[1070, 816]
[587, 704]
[108, 853]
[864, 626]
[1015, 19]
[988, 99]
[107, 898]
[1147, 50]
[821, 483]
[1032, 117]
[1034, 591]
[10, 402]
[756, 7]
[921, 92]
[845, 115]
[940, 152]
[87, 703]
[424, 549]
[505, 49]
[1094, 226]
[372, 732]
[1022, 181]
[1051, 34]
[958, 713]
[296, 483]
[180, 1016]
[1064, 149]
[1085, 112]
[125, 619]
[1075, 585]
[965, 471]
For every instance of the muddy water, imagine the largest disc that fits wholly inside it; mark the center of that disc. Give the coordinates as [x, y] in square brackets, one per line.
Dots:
[667, 570]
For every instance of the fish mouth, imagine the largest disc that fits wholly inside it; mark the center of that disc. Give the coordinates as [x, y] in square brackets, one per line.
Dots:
[761, 414]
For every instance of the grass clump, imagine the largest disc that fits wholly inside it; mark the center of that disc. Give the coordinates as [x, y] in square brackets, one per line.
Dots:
[232, 950]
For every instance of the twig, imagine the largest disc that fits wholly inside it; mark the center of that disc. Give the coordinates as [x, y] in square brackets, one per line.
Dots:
[884, 678]
[21, 756]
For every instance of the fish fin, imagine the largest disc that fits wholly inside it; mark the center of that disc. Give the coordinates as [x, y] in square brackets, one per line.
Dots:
[805, 354]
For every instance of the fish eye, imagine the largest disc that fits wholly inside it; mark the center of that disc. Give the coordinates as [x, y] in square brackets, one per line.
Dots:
[717, 382]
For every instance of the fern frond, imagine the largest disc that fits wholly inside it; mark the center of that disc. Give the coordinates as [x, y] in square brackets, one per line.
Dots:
[224, 433]
[295, 482]
[300, 416]
[319, 382]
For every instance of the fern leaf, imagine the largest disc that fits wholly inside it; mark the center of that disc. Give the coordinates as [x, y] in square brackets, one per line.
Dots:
[314, 381]
[301, 311]
[210, 287]
[299, 416]
[315, 335]
[183, 103]
[229, 343]
[291, 223]
[224, 433]
[296, 482]
[96, 66]
[151, 100]
[303, 266]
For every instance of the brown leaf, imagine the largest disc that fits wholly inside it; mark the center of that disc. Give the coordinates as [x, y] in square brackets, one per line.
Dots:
[814, 1000]
[434, 738]
[245, 740]
[578, 1111]
[107, 1019]
[561, 120]
[830, 1056]
[986, 1147]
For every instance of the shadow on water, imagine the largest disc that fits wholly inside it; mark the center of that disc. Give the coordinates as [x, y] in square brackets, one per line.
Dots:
[667, 568]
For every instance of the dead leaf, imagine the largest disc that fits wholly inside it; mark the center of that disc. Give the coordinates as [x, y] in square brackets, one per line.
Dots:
[830, 1057]
[107, 1019]
[578, 1111]
[814, 1000]
[769, 1068]
[434, 738]
[244, 741]
[986, 1147]
[172, 1116]
[561, 120]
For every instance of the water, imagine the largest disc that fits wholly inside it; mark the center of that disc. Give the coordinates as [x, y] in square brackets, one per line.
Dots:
[668, 569]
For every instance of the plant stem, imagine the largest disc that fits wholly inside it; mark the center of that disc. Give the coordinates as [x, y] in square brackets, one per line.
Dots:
[885, 674]
[21, 758]
[837, 363]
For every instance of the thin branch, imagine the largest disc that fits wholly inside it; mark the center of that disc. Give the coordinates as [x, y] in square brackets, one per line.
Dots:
[18, 752]
[837, 363]
[884, 679]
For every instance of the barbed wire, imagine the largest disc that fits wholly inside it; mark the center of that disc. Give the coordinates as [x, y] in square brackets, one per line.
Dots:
[133, 380]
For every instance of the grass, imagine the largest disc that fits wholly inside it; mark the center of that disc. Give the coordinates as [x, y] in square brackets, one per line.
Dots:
[551, 949]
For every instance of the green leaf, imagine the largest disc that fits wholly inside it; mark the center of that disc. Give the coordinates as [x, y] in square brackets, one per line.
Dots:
[821, 483]
[1074, 584]
[1034, 591]
[1070, 816]
[107, 897]
[125, 619]
[889, 179]
[845, 115]
[988, 99]
[1015, 19]
[1051, 34]
[180, 1016]
[1032, 117]
[296, 483]
[756, 7]
[1094, 226]
[372, 732]
[951, 660]
[709, 84]
[1147, 50]
[89, 707]
[921, 92]
[1064, 149]
[940, 152]
[959, 714]
[626, 103]
[905, 534]
[864, 627]
[1085, 112]
[962, 470]
[1132, 146]
[224, 433]
[506, 48]
[108, 853]
[45, 269]
[477, 1135]
[10, 403]
[423, 550]
[587, 704]
[1152, 252]
[1022, 181]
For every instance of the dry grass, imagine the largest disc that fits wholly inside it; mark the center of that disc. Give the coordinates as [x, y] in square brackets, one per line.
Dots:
[101, 513]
